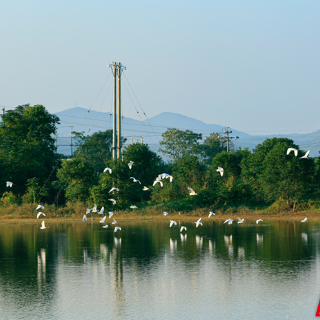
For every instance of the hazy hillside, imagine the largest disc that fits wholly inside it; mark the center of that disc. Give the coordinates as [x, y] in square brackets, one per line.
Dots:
[150, 130]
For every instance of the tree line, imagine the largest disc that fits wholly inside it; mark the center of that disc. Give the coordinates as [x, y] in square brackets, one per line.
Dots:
[265, 176]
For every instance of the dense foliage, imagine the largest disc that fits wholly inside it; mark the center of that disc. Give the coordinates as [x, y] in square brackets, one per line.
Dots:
[264, 176]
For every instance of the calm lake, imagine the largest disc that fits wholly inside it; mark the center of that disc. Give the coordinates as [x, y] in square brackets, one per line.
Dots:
[150, 271]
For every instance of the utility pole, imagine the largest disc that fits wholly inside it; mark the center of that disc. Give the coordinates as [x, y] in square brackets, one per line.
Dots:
[71, 139]
[117, 69]
[227, 132]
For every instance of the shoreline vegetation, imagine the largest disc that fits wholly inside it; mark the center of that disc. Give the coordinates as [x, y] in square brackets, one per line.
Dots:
[74, 212]
[198, 176]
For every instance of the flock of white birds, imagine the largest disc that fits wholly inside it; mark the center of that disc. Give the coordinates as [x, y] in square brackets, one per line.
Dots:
[158, 179]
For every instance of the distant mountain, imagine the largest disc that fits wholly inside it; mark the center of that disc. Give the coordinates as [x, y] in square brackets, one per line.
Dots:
[150, 130]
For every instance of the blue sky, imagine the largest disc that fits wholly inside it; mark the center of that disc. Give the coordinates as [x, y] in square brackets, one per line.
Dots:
[250, 65]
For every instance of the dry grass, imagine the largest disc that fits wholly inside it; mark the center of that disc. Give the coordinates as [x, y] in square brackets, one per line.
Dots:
[75, 212]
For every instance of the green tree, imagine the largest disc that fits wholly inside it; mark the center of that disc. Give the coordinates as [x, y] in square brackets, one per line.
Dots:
[27, 148]
[35, 192]
[177, 143]
[212, 146]
[95, 148]
[147, 165]
[76, 178]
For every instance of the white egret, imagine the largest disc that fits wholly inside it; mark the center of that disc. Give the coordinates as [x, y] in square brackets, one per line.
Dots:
[306, 155]
[43, 225]
[116, 229]
[145, 188]
[257, 221]
[183, 228]
[211, 214]
[240, 220]
[108, 169]
[84, 218]
[220, 170]
[113, 201]
[172, 222]
[192, 192]
[101, 211]
[9, 184]
[304, 220]
[165, 213]
[229, 221]
[94, 209]
[135, 180]
[130, 164]
[113, 189]
[103, 220]
[106, 226]
[39, 214]
[133, 207]
[114, 221]
[294, 150]
[88, 211]
[198, 223]
[39, 207]
[110, 214]
[157, 181]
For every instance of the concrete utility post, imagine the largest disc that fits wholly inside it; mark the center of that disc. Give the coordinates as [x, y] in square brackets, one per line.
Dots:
[227, 132]
[117, 69]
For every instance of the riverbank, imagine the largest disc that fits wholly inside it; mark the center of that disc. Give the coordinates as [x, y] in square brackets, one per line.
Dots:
[74, 212]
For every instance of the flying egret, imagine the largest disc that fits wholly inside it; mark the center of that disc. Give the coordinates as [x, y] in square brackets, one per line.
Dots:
[43, 225]
[211, 214]
[106, 226]
[113, 201]
[165, 213]
[306, 155]
[84, 218]
[157, 181]
[101, 211]
[114, 221]
[112, 189]
[116, 229]
[145, 188]
[240, 220]
[183, 228]
[94, 209]
[304, 220]
[39, 207]
[133, 207]
[108, 169]
[9, 184]
[198, 222]
[135, 180]
[172, 222]
[102, 220]
[220, 170]
[130, 164]
[110, 214]
[294, 150]
[88, 211]
[39, 214]
[229, 221]
[257, 221]
[169, 177]
[192, 192]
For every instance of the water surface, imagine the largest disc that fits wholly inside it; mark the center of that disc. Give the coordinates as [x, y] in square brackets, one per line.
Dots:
[150, 271]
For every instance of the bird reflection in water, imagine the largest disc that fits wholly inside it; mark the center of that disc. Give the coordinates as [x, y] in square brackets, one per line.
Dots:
[173, 245]
[183, 238]
[199, 242]
[259, 239]
[304, 237]
[41, 259]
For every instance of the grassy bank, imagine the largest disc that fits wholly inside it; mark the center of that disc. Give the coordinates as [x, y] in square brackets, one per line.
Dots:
[75, 212]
